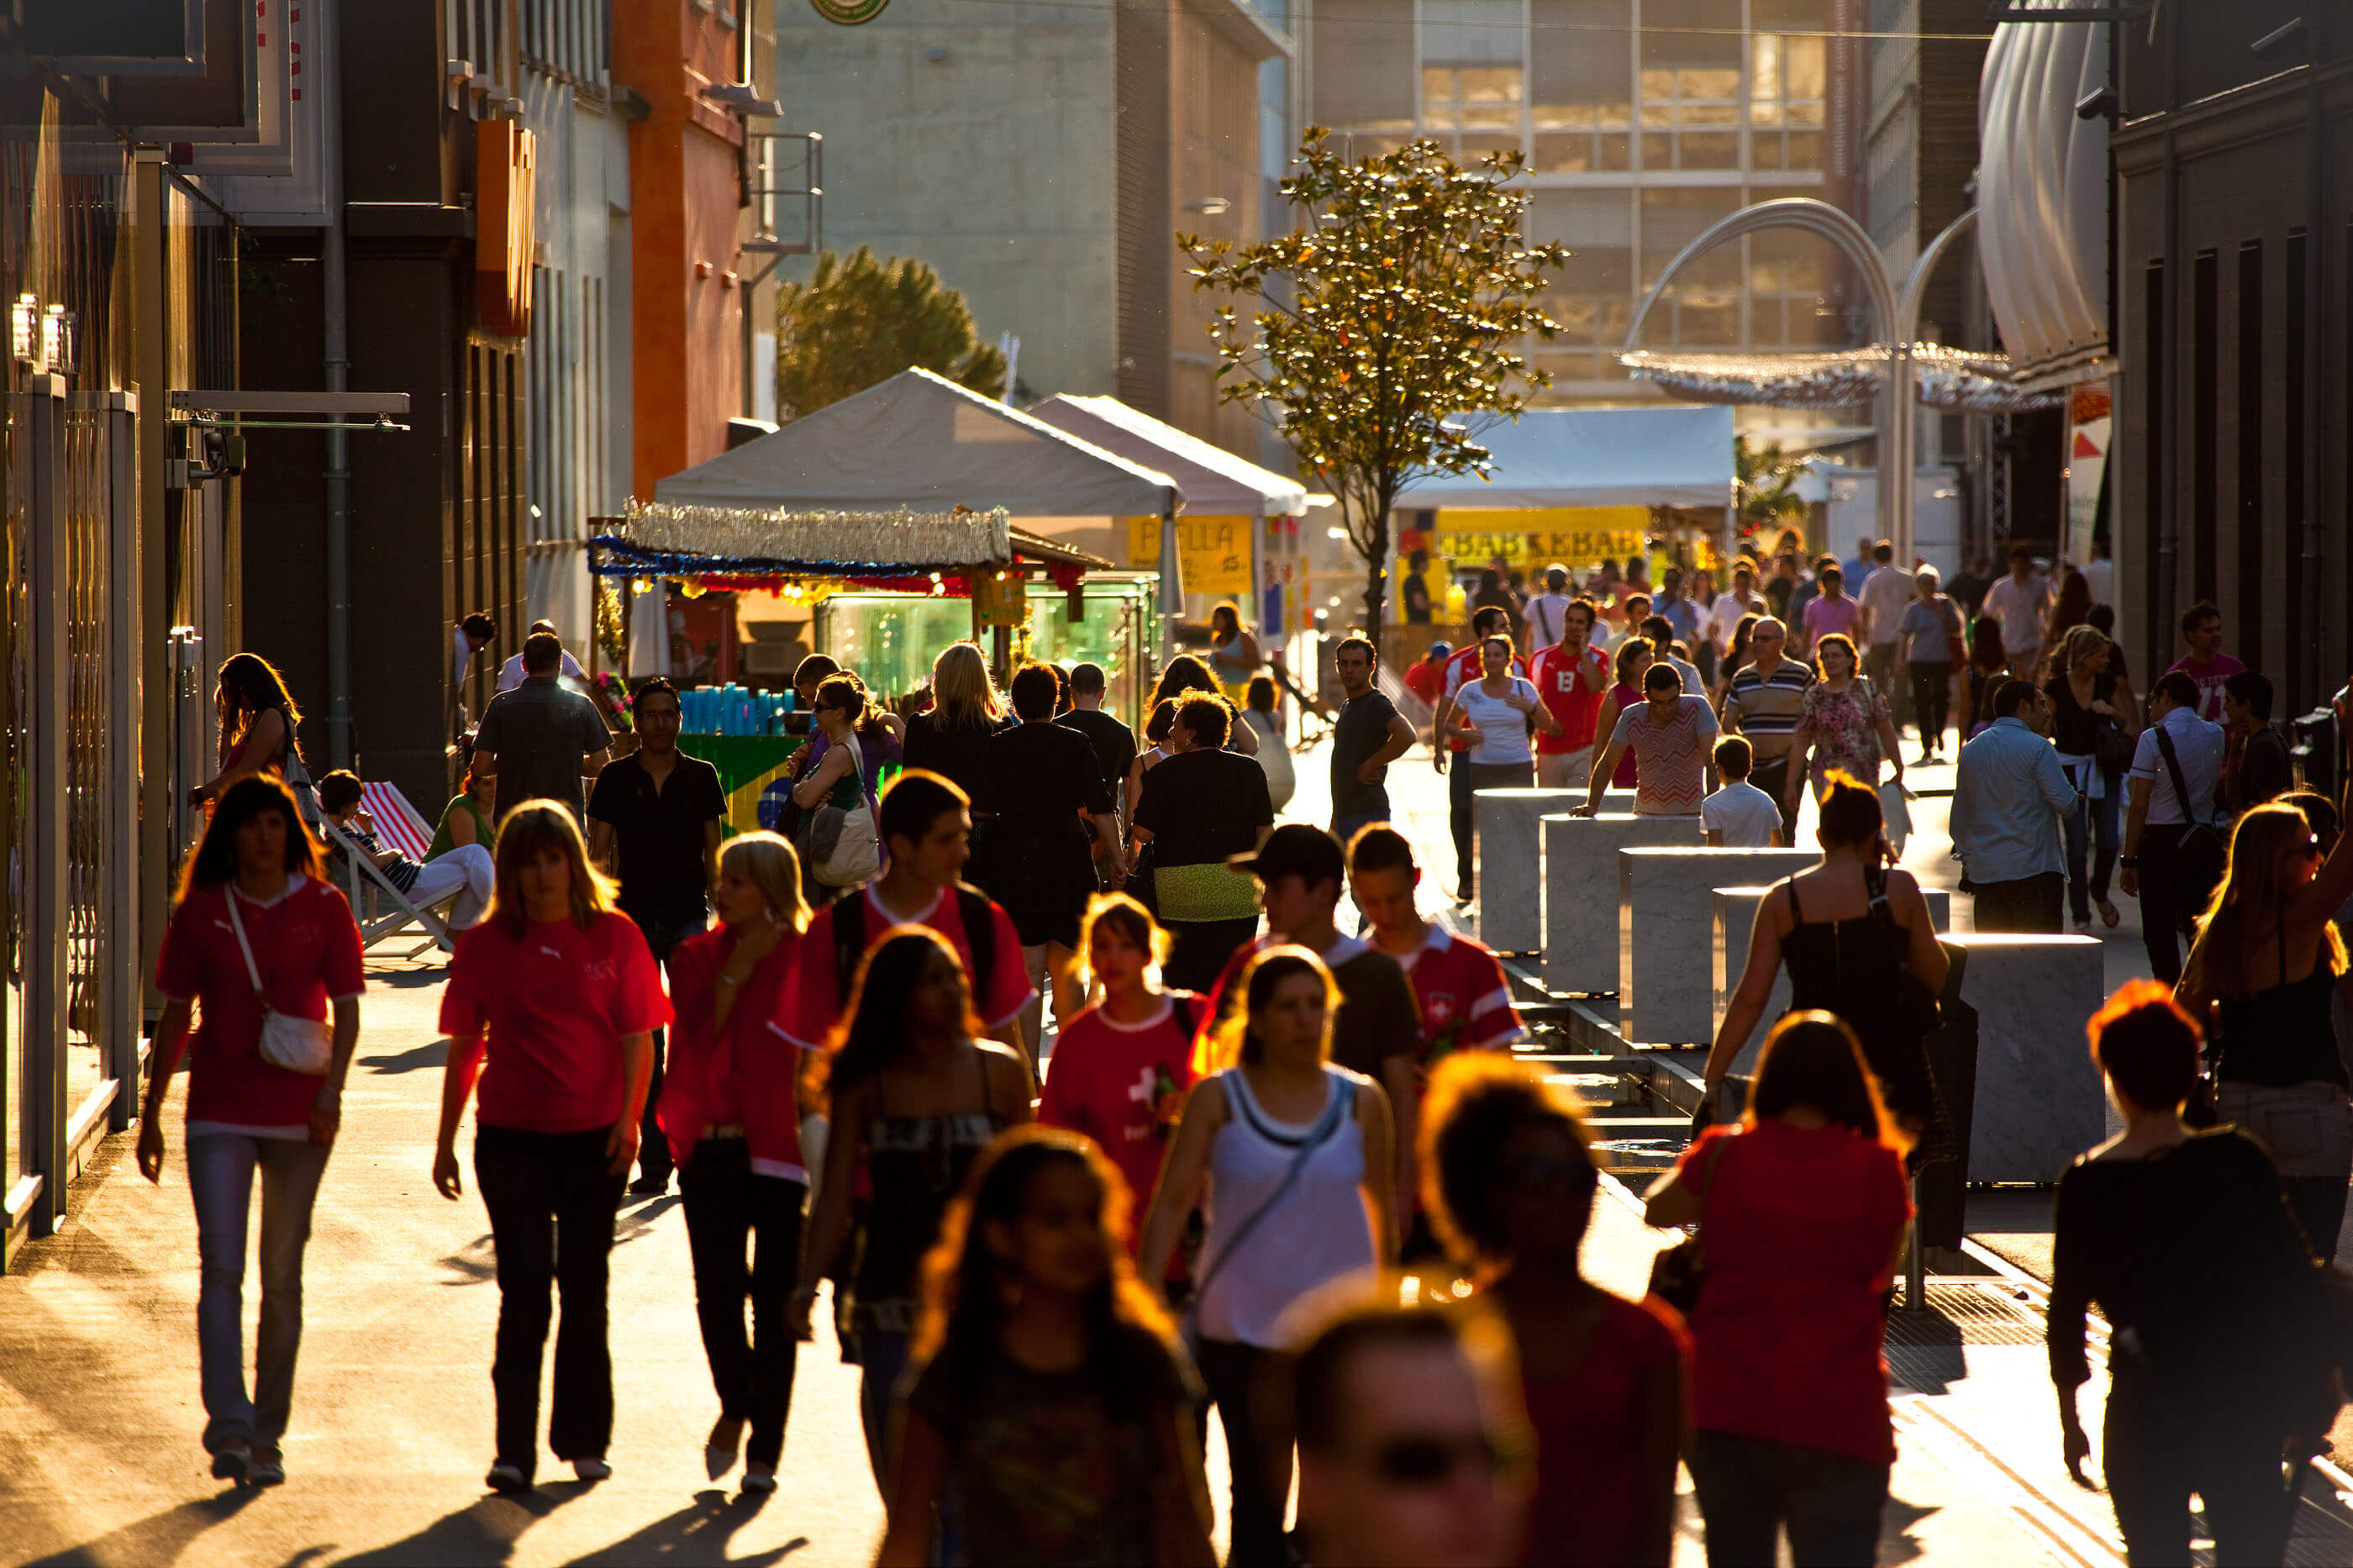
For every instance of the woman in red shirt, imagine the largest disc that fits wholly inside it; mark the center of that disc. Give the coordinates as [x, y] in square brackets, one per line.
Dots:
[252, 888]
[731, 1113]
[1803, 1210]
[557, 988]
[1508, 1184]
[1121, 1068]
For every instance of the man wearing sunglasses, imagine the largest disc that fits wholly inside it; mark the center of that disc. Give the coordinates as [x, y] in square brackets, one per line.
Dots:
[1412, 1442]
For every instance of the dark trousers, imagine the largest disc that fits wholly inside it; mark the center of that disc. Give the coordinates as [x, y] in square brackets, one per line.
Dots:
[2156, 1452]
[881, 1361]
[1772, 777]
[1198, 950]
[1459, 785]
[551, 1204]
[654, 1161]
[2318, 1204]
[727, 1205]
[2092, 832]
[1751, 1489]
[2029, 905]
[1931, 700]
[2172, 897]
[1251, 1389]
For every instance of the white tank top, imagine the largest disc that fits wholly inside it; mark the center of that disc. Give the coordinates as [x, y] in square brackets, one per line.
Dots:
[1317, 1231]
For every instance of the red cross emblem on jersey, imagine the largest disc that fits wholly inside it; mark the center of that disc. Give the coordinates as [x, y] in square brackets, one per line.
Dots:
[1440, 1006]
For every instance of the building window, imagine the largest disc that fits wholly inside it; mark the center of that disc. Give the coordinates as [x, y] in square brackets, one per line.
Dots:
[1788, 101]
[1474, 110]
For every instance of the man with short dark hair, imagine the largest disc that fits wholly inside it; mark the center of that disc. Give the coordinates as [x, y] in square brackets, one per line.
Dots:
[2258, 766]
[541, 739]
[1764, 702]
[2011, 799]
[1113, 741]
[2171, 872]
[474, 633]
[655, 820]
[510, 672]
[1408, 1418]
[2206, 663]
[1571, 677]
[1660, 634]
[1371, 735]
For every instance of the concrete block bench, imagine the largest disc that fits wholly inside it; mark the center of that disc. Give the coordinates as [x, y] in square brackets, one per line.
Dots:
[1510, 854]
[1735, 921]
[1580, 901]
[2039, 1101]
[1665, 991]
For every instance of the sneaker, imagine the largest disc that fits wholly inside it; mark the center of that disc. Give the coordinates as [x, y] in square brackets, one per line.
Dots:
[507, 1479]
[2083, 928]
[592, 1469]
[759, 1479]
[268, 1470]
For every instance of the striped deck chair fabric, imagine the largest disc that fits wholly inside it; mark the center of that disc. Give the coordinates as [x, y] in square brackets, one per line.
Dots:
[397, 825]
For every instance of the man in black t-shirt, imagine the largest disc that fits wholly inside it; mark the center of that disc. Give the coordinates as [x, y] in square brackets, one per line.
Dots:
[1113, 741]
[655, 819]
[1371, 735]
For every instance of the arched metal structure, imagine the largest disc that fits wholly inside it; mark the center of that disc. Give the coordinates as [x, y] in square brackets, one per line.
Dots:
[1896, 320]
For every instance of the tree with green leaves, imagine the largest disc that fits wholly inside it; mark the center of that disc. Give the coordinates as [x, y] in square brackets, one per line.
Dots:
[1384, 326]
[858, 322]
[1764, 489]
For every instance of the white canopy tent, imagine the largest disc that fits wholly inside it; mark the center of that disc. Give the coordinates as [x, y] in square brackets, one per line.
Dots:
[1596, 456]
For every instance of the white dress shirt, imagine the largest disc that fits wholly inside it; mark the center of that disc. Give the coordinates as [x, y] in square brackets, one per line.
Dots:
[2198, 746]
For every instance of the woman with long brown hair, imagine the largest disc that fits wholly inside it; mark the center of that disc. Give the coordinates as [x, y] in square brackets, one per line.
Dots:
[551, 1004]
[2261, 976]
[257, 722]
[256, 931]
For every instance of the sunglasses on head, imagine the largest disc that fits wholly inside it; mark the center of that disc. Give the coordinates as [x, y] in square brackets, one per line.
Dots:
[1433, 1461]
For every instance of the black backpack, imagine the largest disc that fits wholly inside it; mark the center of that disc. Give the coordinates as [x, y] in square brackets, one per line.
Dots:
[979, 930]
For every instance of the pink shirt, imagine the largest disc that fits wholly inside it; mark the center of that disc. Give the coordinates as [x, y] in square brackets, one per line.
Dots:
[1824, 616]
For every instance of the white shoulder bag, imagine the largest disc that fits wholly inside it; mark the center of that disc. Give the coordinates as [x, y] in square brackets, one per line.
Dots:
[297, 1045]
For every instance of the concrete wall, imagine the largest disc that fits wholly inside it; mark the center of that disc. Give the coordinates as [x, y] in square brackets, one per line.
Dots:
[979, 140]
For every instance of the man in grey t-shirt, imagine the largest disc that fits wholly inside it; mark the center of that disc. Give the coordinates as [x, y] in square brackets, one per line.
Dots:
[540, 740]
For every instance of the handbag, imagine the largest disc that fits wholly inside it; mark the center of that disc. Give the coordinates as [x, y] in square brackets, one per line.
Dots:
[2112, 749]
[844, 849]
[297, 1045]
[1679, 1271]
[1209, 890]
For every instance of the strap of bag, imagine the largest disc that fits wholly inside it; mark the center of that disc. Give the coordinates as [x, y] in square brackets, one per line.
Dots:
[1340, 1105]
[228, 896]
[2173, 766]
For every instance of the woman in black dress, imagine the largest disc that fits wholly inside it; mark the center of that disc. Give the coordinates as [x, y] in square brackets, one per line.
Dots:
[2218, 1367]
[1048, 805]
[1850, 930]
[964, 713]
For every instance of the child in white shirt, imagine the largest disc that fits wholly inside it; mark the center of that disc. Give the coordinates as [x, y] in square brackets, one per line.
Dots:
[1739, 816]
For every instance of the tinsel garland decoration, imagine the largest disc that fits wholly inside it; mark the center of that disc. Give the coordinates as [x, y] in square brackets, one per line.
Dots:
[1959, 380]
[897, 537]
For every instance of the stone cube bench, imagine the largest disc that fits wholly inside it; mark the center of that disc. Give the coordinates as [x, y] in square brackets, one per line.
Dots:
[1505, 824]
[1581, 887]
[1666, 911]
[2039, 1101]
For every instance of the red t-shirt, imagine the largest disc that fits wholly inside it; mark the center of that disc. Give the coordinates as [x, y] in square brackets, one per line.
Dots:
[743, 1075]
[308, 951]
[555, 1005]
[1426, 681]
[1583, 1511]
[1800, 1225]
[1107, 1079]
[1557, 682]
[1466, 1003]
[1467, 665]
[812, 1005]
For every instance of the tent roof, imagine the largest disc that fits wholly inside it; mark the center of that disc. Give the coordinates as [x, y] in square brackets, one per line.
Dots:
[1596, 456]
[1214, 480]
[923, 443]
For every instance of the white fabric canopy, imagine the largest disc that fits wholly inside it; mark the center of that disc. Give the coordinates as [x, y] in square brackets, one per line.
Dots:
[923, 443]
[1214, 480]
[1595, 457]
[2042, 197]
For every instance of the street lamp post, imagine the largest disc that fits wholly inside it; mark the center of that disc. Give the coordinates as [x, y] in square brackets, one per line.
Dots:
[1895, 313]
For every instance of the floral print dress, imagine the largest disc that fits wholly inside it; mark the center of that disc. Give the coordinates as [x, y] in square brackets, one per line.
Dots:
[1843, 727]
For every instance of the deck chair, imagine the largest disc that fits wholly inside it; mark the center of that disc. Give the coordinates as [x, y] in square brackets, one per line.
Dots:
[385, 914]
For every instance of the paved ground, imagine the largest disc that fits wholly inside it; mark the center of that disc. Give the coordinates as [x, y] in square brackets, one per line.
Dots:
[100, 1461]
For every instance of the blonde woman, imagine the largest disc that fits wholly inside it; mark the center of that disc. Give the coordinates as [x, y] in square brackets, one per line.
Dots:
[2260, 977]
[556, 988]
[731, 1109]
[966, 712]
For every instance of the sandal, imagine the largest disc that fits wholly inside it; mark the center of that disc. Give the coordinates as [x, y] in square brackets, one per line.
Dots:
[2109, 916]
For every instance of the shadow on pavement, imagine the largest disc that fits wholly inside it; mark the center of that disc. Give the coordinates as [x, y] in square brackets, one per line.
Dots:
[694, 1537]
[432, 1053]
[159, 1538]
[481, 1535]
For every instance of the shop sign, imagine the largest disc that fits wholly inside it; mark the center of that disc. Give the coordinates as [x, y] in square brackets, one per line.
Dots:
[849, 13]
[2090, 418]
[1539, 536]
[1213, 552]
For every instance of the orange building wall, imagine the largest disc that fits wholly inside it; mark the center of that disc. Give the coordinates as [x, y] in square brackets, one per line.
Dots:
[686, 328]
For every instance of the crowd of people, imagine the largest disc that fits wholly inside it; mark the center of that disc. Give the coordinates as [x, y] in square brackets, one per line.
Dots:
[1052, 1251]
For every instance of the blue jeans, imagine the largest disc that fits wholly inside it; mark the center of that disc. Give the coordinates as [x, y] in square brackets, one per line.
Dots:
[2096, 821]
[220, 1179]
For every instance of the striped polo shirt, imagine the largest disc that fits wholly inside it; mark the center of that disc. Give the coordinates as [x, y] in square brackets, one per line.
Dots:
[1768, 711]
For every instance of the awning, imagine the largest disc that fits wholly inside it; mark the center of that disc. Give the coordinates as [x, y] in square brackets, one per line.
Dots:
[920, 443]
[666, 539]
[1214, 480]
[1594, 457]
[2042, 197]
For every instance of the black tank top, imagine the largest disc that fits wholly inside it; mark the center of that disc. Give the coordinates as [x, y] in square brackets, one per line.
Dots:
[2285, 1034]
[1850, 968]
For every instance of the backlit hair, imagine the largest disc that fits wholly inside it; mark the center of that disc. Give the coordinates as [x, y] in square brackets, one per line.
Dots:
[963, 691]
[766, 861]
[1633, 655]
[528, 830]
[1236, 1038]
[2250, 903]
[1849, 810]
[1830, 640]
[2082, 642]
[1812, 1059]
[1474, 1103]
[2146, 1043]
[1131, 920]
[214, 864]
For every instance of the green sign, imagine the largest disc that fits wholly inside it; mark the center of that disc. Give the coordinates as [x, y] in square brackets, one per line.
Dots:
[849, 13]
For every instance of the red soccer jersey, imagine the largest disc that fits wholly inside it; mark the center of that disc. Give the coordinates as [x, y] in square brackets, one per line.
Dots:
[1465, 666]
[308, 951]
[1466, 1004]
[1577, 708]
[1115, 1082]
[1427, 682]
[744, 1074]
[555, 1005]
[812, 1005]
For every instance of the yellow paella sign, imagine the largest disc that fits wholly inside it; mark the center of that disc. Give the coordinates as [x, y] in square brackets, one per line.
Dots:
[1214, 552]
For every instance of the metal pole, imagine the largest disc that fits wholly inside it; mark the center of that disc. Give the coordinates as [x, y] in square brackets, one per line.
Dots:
[118, 988]
[41, 853]
[2317, 687]
[337, 371]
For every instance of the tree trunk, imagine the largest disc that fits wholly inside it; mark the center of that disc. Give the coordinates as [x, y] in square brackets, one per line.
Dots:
[1376, 575]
